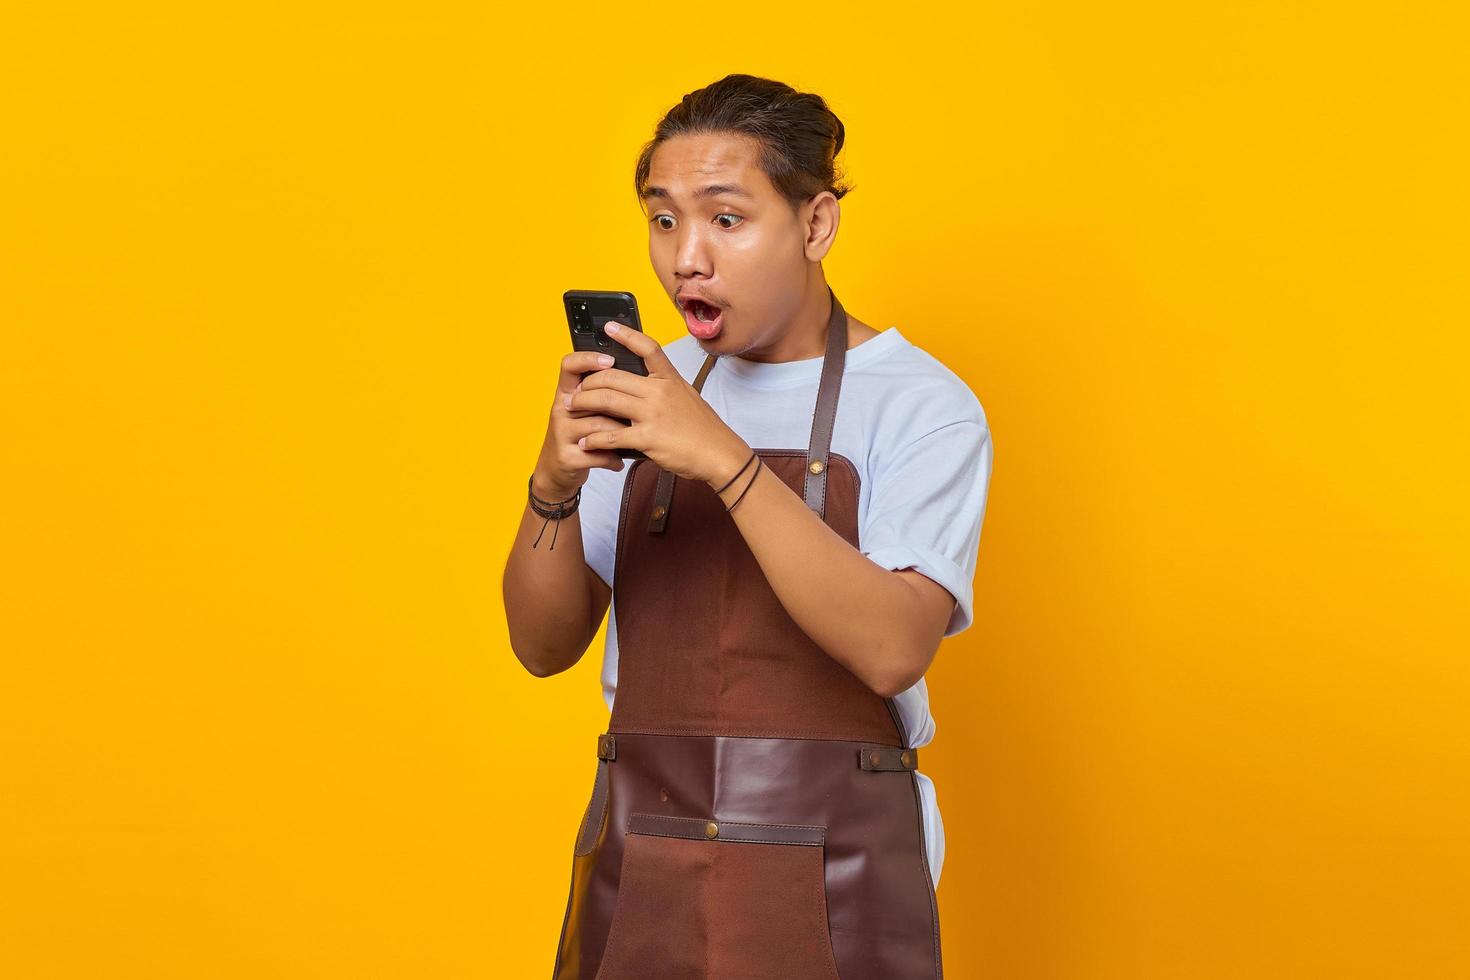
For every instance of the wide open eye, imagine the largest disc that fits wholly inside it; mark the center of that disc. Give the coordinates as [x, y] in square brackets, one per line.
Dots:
[727, 215]
[658, 218]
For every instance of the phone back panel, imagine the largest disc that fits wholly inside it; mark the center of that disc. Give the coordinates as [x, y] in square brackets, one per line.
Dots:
[589, 310]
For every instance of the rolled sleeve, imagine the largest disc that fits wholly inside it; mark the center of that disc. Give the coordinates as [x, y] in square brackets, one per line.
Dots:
[927, 506]
[943, 570]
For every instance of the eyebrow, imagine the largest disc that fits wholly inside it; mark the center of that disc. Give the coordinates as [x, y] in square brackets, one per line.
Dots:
[708, 190]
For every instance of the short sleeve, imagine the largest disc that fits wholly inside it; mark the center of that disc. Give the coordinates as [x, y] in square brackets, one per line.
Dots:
[602, 498]
[926, 504]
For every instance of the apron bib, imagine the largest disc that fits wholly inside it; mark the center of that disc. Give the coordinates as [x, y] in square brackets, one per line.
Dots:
[755, 813]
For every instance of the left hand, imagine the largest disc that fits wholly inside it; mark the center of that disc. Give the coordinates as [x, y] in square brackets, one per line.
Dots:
[669, 421]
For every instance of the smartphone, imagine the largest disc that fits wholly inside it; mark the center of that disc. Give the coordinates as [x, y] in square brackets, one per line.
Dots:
[588, 311]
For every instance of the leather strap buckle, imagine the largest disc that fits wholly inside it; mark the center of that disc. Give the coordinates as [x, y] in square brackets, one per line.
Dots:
[888, 758]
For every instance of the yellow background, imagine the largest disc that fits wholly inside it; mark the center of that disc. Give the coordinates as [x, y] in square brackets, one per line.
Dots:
[280, 285]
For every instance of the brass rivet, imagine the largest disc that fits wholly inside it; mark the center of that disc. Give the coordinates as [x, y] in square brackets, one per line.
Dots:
[816, 466]
[663, 795]
[874, 758]
[711, 829]
[658, 512]
[906, 757]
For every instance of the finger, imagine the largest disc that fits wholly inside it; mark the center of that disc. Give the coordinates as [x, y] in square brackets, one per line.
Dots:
[577, 367]
[576, 364]
[654, 358]
[607, 401]
[592, 422]
[617, 380]
[607, 439]
[604, 458]
[607, 460]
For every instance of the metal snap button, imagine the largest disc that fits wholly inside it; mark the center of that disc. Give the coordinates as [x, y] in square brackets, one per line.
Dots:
[658, 512]
[907, 758]
[874, 758]
[816, 466]
[711, 829]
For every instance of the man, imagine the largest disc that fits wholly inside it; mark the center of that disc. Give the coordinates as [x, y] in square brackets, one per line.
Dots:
[783, 575]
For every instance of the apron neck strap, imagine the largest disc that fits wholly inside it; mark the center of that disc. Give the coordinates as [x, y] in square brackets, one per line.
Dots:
[825, 415]
[814, 486]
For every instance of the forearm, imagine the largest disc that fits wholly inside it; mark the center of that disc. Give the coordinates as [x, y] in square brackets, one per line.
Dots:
[547, 604]
[864, 616]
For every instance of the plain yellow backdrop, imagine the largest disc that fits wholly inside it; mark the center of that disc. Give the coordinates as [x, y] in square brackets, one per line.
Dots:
[279, 286]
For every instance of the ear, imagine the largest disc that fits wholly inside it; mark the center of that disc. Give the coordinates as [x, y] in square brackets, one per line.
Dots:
[819, 218]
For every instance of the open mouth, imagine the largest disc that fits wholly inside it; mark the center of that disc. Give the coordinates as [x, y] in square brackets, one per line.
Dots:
[703, 319]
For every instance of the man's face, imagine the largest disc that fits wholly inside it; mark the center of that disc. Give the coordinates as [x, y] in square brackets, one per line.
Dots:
[718, 229]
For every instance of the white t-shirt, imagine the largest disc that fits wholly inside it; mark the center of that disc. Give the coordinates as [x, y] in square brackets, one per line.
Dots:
[919, 439]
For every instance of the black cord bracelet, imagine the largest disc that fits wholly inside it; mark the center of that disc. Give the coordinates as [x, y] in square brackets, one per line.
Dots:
[735, 477]
[753, 476]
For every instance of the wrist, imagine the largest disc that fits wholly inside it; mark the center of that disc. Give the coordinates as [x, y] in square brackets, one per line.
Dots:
[549, 489]
[729, 464]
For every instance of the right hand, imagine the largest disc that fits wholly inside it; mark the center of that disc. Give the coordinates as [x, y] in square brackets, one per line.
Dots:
[563, 466]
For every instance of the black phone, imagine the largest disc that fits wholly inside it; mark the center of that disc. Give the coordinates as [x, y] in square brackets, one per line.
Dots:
[588, 311]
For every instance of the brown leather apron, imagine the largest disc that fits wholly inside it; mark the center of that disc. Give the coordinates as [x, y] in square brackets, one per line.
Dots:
[755, 814]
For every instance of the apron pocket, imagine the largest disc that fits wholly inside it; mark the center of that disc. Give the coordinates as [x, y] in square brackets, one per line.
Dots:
[716, 900]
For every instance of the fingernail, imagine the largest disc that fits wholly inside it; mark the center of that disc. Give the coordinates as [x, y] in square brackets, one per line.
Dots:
[582, 443]
[604, 359]
[611, 327]
[567, 401]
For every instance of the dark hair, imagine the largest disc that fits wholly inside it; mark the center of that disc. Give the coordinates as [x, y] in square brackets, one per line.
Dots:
[799, 135]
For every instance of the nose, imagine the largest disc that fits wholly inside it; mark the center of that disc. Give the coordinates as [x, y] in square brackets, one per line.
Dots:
[691, 257]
